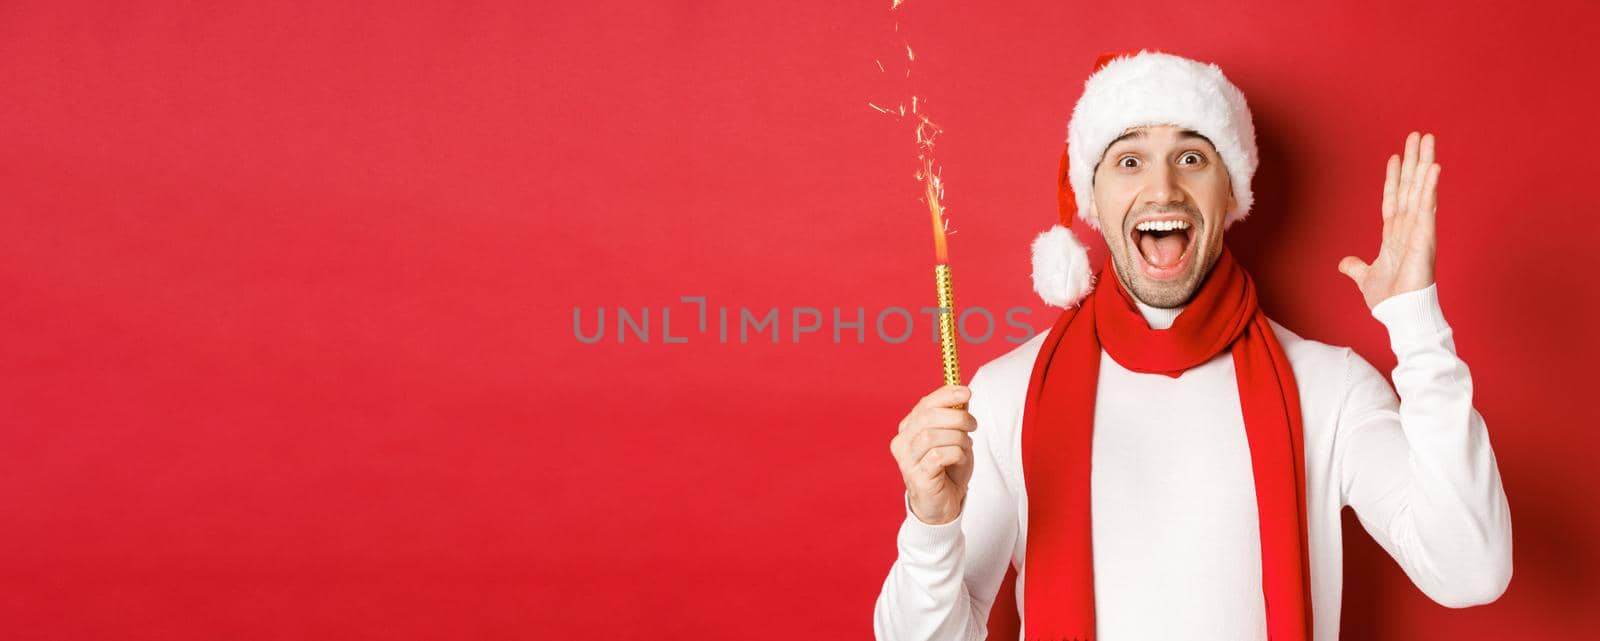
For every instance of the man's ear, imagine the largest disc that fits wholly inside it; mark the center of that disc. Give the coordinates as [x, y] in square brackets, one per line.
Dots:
[1233, 201]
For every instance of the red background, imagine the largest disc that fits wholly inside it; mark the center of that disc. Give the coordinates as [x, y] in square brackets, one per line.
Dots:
[286, 295]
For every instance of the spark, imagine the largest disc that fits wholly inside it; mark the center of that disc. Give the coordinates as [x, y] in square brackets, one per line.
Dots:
[926, 131]
[929, 172]
[933, 195]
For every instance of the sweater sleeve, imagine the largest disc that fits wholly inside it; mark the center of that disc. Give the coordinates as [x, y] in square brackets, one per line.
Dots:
[1419, 470]
[945, 578]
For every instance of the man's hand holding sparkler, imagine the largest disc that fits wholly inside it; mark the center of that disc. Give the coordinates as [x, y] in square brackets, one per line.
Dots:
[1406, 257]
[934, 452]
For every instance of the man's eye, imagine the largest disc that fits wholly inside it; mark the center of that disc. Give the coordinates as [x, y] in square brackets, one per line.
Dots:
[1128, 162]
[1197, 158]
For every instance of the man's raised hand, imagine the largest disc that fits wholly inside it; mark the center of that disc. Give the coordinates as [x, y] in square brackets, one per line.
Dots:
[934, 452]
[1406, 257]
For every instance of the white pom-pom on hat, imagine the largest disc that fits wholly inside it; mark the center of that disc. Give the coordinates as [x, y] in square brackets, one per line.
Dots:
[1061, 274]
[1130, 89]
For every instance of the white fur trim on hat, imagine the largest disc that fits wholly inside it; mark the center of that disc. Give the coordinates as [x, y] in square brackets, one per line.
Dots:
[1061, 274]
[1152, 88]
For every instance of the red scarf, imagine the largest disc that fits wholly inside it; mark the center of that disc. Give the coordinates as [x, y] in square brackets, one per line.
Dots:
[1058, 429]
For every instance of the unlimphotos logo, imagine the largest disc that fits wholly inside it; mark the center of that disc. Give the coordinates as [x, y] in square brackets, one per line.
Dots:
[893, 324]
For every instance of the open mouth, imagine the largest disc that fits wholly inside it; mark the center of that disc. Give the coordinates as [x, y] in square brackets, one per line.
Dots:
[1164, 246]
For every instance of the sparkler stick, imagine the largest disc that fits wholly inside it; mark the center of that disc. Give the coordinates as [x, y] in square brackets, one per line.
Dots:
[933, 195]
[947, 324]
[944, 290]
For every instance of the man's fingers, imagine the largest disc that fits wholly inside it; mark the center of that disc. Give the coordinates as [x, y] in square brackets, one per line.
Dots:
[935, 411]
[918, 445]
[1353, 267]
[1424, 163]
[1391, 186]
[933, 463]
[1408, 167]
[1419, 173]
[940, 418]
[947, 396]
[1430, 193]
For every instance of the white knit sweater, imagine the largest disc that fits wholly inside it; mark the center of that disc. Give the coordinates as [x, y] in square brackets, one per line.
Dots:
[1176, 546]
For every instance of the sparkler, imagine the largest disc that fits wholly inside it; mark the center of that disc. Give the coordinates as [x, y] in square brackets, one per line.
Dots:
[933, 194]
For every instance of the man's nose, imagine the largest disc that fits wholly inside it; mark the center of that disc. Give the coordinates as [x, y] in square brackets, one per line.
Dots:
[1163, 185]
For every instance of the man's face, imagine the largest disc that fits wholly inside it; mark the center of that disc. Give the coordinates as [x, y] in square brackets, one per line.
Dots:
[1161, 193]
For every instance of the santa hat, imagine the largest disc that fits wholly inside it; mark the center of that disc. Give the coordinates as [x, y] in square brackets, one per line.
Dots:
[1130, 89]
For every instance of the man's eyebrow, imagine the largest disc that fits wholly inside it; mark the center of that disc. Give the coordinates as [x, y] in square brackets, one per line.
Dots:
[1190, 134]
[1136, 133]
[1186, 134]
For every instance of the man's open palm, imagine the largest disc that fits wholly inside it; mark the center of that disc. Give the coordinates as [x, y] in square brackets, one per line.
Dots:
[1406, 257]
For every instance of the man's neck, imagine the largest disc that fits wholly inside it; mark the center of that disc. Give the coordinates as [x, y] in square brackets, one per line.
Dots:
[1159, 317]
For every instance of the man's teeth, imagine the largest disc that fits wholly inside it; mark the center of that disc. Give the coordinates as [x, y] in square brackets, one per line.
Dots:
[1162, 225]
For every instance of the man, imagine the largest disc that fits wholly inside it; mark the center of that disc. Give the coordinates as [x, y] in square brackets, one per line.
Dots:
[1167, 462]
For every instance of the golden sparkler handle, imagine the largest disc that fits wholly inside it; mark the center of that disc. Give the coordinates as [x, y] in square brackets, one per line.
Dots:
[947, 325]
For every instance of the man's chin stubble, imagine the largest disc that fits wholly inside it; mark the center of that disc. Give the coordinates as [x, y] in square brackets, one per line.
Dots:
[1167, 295]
